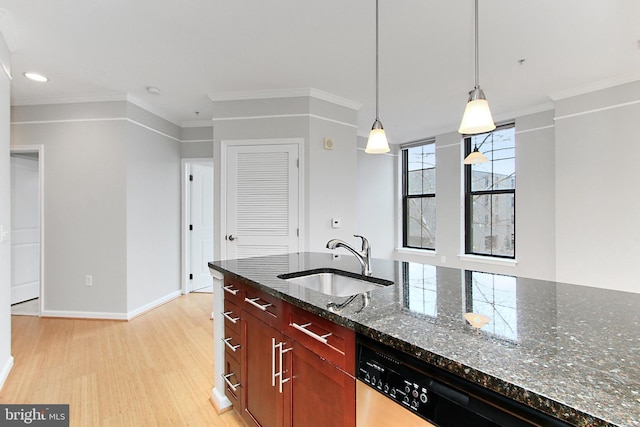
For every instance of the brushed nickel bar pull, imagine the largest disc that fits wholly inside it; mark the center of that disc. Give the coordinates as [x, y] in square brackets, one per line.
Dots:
[303, 328]
[226, 380]
[229, 318]
[273, 362]
[253, 302]
[229, 288]
[280, 376]
[227, 342]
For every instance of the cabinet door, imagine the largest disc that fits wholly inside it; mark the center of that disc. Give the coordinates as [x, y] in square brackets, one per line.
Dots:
[263, 403]
[321, 394]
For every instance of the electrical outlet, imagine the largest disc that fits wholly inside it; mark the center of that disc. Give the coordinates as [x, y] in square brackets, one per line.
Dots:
[88, 280]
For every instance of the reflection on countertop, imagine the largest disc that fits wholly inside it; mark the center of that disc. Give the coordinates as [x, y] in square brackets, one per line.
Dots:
[571, 351]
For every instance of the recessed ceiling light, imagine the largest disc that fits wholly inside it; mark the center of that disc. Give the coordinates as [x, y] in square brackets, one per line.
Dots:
[153, 90]
[36, 77]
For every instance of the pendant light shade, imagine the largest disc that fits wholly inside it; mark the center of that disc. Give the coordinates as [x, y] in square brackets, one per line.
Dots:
[377, 142]
[475, 157]
[477, 115]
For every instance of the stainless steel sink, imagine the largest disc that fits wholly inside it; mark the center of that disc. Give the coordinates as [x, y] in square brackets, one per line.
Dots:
[334, 283]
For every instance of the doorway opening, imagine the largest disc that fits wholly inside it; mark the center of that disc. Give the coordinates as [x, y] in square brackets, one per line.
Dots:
[197, 225]
[27, 230]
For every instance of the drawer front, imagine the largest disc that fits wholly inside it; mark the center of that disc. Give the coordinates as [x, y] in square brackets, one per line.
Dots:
[328, 340]
[233, 380]
[233, 343]
[232, 316]
[264, 307]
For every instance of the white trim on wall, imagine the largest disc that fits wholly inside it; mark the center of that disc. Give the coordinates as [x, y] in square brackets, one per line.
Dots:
[6, 369]
[597, 110]
[283, 116]
[109, 119]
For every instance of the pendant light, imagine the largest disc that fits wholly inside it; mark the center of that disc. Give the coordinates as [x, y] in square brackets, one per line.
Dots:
[476, 156]
[377, 143]
[477, 115]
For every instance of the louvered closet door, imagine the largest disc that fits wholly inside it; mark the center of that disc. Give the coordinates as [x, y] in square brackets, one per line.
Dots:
[262, 200]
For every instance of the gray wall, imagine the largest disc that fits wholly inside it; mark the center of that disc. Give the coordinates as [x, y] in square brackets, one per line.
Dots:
[106, 166]
[329, 175]
[575, 204]
[375, 200]
[197, 142]
[597, 203]
[153, 217]
[6, 360]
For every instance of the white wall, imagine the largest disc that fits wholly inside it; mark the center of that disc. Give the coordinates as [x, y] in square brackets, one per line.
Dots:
[376, 207]
[535, 197]
[153, 218]
[597, 203]
[108, 165]
[6, 360]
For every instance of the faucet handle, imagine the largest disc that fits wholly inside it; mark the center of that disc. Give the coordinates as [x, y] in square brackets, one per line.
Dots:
[365, 242]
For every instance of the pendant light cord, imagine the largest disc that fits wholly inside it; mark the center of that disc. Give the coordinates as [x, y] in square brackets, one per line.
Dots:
[377, 66]
[476, 55]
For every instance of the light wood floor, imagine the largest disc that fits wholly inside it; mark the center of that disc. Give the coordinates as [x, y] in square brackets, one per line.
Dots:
[156, 370]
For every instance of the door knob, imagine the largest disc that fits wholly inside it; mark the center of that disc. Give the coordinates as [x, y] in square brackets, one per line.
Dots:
[231, 238]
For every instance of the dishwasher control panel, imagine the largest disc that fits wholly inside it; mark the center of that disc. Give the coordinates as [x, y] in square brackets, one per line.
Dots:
[409, 389]
[437, 396]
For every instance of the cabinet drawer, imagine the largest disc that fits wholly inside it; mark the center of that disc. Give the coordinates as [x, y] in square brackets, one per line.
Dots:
[263, 306]
[328, 340]
[232, 379]
[233, 343]
[232, 290]
[231, 316]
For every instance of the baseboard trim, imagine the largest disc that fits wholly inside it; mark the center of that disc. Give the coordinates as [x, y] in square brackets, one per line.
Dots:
[4, 374]
[153, 304]
[112, 316]
[221, 403]
[83, 315]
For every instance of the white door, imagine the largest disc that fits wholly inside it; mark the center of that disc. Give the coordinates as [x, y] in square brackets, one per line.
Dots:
[261, 200]
[201, 224]
[25, 228]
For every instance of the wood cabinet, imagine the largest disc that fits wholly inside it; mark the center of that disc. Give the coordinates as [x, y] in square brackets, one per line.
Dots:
[286, 367]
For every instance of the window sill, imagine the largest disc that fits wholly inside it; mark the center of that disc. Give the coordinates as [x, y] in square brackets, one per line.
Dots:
[488, 260]
[422, 252]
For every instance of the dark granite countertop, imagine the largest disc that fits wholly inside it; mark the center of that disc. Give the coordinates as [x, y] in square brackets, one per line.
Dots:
[570, 351]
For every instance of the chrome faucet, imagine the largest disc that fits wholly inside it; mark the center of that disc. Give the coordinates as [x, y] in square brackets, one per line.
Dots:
[364, 256]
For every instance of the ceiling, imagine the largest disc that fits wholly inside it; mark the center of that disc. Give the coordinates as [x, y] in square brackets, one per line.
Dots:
[192, 50]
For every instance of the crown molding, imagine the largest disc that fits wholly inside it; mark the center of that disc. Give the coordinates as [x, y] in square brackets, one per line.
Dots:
[593, 87]
[285, 93]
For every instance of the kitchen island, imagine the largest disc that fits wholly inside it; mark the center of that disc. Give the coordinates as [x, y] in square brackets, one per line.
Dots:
[569, 351]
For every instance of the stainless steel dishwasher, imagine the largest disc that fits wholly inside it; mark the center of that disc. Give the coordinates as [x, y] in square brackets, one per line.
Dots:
[395, 389]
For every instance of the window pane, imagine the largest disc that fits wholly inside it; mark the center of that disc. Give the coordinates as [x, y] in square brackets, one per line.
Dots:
[493, 224]
[421, 291]
[499, 173]
[495, 296]
[421, 222]
[421, 168]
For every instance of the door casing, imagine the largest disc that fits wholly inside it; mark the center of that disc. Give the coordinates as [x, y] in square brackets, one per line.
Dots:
[223, 184]
[14, 149]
